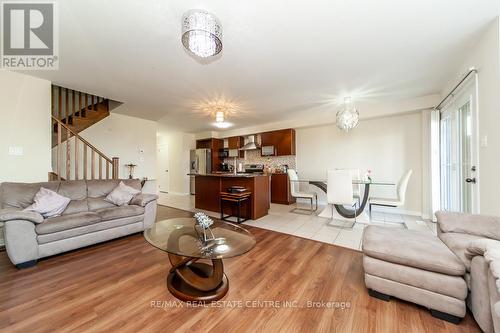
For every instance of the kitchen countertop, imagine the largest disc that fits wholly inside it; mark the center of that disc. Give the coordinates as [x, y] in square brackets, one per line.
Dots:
[230, 174]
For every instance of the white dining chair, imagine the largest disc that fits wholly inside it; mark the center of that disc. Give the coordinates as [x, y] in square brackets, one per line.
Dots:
[399, 201]
[340, 191]
[297, 193]
[356, 187]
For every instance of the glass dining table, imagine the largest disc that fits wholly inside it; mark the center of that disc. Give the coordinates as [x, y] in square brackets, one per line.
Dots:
[348, 212]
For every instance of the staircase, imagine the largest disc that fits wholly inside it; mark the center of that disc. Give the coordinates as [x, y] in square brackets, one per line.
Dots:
[73, 157]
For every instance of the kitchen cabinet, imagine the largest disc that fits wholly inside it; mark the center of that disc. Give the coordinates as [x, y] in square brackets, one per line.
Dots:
[235, 142]
[214, 145]
[283, 141]
[208, 188]
[280, 189]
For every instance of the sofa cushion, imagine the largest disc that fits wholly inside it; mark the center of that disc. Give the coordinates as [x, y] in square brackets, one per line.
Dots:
[65, 222]
[119, 212]
[48, 203]
[411, 248]
[73, 189]
[458, 244]
[76, 206]
[20, 195]
[479, 225]
[87, 229]
[98, 203]
[121, 194]
[101, 188]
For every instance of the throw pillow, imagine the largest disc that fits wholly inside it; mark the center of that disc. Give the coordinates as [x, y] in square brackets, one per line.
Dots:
[121, 195]
[48, 203]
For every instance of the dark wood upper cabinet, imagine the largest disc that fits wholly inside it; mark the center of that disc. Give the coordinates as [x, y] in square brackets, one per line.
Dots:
[282, 140]
[214, 145]
[235, 142]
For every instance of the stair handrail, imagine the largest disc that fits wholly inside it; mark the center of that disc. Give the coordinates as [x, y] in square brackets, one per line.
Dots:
[113, 161]
[83, 140]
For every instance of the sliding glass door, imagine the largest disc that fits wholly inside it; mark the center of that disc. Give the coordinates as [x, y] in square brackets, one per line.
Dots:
[458, 148]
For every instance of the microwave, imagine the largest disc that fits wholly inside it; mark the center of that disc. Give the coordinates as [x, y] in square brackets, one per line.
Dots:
[267, 151]
[223, 153]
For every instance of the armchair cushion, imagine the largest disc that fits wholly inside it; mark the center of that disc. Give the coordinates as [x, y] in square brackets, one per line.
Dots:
[479, 225]
[9, 214]
[142, 199]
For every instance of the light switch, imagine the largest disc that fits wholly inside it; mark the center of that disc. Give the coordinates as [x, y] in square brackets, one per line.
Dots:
[484, 141]
[16, 151]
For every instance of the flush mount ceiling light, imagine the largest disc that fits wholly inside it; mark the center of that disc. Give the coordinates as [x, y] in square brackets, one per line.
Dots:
[347, 116]
[219, 116]
[201, 33]
[220, 113]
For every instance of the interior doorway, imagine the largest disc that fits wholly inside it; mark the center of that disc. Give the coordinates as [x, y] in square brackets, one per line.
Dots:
[163, 168]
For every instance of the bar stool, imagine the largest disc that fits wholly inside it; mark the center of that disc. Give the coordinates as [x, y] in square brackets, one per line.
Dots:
[237, 198]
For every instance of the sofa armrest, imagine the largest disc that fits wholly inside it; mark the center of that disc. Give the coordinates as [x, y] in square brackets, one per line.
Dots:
[149, 214]
[20, 241]
[11, 214]
[142, 199]
[472, 224]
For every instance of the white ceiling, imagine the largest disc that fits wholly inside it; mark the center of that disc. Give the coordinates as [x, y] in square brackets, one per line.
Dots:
[281, 59]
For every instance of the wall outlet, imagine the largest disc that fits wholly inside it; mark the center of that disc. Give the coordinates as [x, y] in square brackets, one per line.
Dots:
[16, 151]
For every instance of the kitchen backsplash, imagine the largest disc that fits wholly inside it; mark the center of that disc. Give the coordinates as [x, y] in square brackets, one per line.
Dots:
[253, 157]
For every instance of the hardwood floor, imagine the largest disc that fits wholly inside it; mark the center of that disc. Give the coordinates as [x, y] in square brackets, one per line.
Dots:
[111, 287]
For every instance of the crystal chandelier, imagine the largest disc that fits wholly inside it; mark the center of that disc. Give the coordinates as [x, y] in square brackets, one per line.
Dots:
[347, 116]
[201, 33]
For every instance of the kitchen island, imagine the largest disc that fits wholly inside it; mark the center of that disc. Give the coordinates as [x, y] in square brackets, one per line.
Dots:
[209, 186]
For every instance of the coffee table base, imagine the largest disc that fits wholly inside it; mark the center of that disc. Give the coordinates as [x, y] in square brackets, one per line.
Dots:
[192, 281]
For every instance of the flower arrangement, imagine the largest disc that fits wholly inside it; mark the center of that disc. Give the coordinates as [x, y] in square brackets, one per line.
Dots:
[368, 175]
[204, 222]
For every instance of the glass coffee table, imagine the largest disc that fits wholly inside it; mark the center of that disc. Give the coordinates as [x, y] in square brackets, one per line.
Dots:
[190, 279]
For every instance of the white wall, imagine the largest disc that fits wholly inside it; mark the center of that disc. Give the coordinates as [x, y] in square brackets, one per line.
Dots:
[25, 122]
[388, 146]
[485, 56]
[179, 144]
[131, 139]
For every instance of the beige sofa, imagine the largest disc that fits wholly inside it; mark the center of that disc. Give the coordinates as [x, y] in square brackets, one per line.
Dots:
[87, 220]
[475, 239]
[444, 273]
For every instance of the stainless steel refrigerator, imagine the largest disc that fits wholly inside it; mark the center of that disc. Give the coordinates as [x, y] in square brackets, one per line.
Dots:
[200, 162]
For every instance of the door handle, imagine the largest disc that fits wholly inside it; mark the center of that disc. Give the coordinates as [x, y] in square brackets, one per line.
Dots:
[471, 180]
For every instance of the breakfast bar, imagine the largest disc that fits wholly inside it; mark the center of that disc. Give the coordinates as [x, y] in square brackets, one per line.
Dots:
[209, 187]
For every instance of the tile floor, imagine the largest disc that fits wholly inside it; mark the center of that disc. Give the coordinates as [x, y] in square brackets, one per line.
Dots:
[281, 219]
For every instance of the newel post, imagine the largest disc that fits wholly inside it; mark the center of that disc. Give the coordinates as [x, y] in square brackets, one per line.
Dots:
[115, 171]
